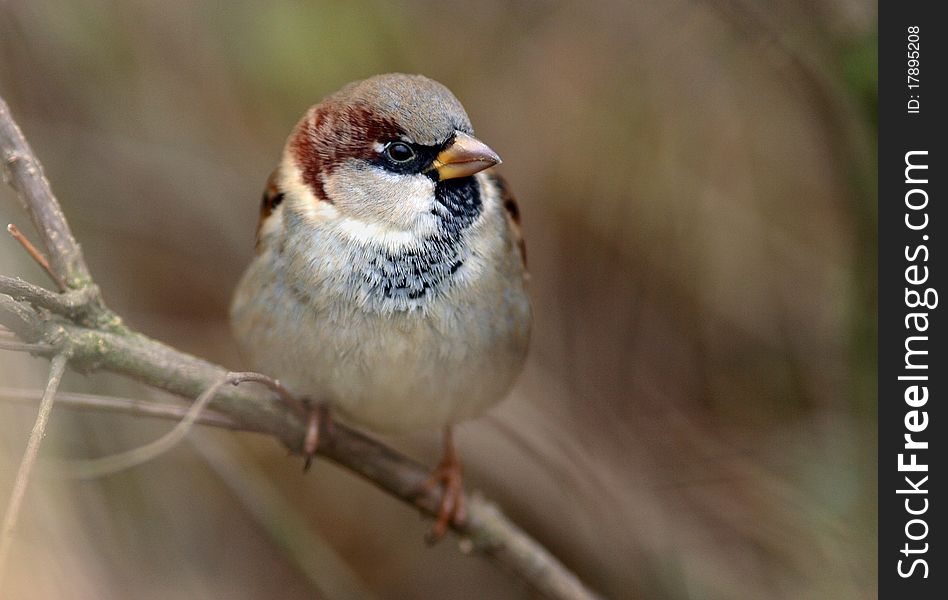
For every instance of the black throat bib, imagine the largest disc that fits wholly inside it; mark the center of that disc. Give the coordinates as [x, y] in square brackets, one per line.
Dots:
[424, 271]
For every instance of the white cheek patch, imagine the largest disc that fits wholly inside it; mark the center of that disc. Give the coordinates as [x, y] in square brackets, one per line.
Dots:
[367, 205]
[382, 208]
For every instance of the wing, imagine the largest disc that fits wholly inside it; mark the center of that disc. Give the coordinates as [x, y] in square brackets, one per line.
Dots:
[270, 216]
[513, 212]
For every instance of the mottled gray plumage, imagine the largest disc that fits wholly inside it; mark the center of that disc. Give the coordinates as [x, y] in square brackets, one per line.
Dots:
[395, 297]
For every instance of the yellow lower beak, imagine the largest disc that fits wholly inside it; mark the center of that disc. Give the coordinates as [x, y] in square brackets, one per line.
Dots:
[465, 156]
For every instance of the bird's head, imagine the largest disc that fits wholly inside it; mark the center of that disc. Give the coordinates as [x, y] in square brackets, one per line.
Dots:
[392, 154]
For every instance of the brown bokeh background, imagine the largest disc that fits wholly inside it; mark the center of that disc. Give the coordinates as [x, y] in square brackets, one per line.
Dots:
[698, 187]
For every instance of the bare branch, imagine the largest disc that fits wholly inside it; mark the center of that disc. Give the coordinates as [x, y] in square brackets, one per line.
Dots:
[56, 370]
[488, 530]
[20, 319]
[20, 168]
[99, 342]
[73, 304]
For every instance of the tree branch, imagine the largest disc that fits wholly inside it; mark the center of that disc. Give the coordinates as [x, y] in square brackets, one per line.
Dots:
[96, 340]
[73, 304]
[24, 173]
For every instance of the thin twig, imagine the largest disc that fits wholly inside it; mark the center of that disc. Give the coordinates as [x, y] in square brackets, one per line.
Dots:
[36, 254]
[271, 383]
[56, 369]
[25, 347]
[109, 465]
[125, 406]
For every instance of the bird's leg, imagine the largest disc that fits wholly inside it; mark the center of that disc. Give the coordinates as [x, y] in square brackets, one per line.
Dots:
[448, 474]
[317, 422]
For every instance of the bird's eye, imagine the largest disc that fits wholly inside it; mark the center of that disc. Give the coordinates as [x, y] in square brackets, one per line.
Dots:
[399, 152]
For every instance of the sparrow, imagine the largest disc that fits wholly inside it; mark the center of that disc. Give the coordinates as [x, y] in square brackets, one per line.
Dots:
[389, 281]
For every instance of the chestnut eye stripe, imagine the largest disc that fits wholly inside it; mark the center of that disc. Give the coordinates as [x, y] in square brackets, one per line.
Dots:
[332, 134]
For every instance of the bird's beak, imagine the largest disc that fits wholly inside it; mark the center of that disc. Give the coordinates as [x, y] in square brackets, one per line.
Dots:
[464, 156]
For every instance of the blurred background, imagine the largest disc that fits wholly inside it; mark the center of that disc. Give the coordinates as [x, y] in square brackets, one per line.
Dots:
[697, 179]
